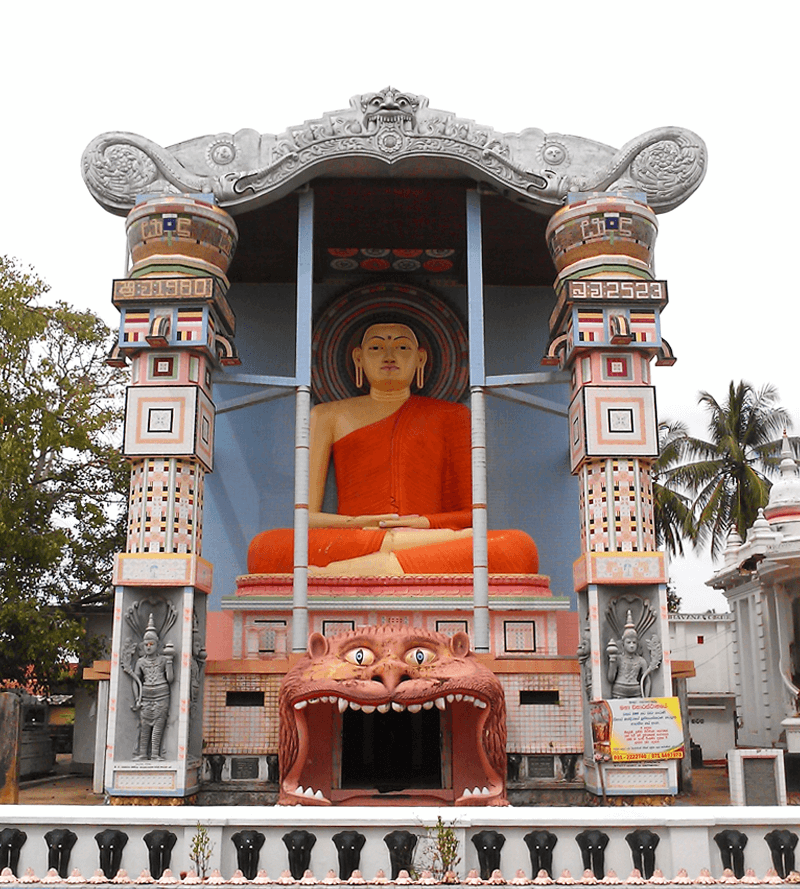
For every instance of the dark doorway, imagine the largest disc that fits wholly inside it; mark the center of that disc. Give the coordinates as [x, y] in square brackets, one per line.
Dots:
[391, 751]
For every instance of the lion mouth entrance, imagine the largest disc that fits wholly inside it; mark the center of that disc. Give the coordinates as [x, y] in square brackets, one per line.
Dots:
[391, 752]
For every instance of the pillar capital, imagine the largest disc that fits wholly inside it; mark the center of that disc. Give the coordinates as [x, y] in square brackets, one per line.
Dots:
[181, 235]
[609, 235]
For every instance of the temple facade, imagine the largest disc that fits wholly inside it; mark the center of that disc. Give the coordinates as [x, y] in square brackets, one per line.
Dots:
[523, 264]
[760, 578]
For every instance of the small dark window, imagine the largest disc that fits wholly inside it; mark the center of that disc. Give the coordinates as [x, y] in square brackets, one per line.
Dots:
[244, 768]
[244, 699]
[701, 640]
[541, 767]
[549, 696]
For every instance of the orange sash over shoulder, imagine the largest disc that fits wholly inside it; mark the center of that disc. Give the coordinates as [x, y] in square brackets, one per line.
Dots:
[415, 462]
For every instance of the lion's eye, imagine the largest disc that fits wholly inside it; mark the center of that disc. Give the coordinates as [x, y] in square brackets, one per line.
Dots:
[362, 657]
[419, 656]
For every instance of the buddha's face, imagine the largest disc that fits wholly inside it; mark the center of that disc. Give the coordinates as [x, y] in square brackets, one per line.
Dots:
[389, 356]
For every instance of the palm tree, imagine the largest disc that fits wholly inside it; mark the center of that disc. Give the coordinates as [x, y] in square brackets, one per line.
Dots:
[726, 476]
[674, 517]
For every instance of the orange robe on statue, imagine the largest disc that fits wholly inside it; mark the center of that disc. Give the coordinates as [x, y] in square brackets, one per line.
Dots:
[417, 461]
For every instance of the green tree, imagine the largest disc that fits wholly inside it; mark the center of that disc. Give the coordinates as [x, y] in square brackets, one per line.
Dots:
[62, 480]
[725, 476]
[674, 517]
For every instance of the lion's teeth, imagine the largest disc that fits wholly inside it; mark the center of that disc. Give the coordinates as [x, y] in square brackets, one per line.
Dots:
[451, 698]
[354, 705]
[469, 699]
[398, 708]
[314, 701]
[309, 792]
[318, 795]
[485, 791]
[428, 705]
[479, 703]
[467, 793]
[476, 791]
[414, 708]
[342, 705]
[383, 708]
[440, 703]
[459, 697]
[299, 790]
[365, 709]
[300, 704]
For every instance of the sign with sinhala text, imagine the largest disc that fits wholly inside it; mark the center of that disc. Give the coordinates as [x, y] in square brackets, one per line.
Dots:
[643, 729]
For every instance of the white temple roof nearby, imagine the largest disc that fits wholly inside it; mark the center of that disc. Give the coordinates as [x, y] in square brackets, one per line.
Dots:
[784, 497]
[773, 542]
[392, 133]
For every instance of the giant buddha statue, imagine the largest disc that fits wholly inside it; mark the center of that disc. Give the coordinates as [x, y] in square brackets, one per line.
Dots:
[403, 476]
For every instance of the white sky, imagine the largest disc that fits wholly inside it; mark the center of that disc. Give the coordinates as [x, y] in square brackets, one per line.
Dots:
[171, 72]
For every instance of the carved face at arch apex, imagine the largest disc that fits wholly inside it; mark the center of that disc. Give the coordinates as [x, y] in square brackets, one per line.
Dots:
[384, 677]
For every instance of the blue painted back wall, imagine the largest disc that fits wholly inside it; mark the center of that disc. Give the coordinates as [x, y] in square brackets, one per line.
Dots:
[251, 487]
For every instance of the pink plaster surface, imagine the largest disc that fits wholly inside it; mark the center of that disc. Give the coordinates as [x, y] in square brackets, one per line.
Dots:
[568, 630]
[219, 635]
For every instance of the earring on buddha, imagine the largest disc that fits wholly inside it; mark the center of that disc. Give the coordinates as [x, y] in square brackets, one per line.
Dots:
[420, 376]
[359, 376]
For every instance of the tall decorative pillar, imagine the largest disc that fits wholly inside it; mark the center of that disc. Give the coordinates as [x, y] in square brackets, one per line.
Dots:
[605, 329]
[176, 327]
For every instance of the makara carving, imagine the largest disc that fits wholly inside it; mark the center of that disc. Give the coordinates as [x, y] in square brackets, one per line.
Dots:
[384, 128]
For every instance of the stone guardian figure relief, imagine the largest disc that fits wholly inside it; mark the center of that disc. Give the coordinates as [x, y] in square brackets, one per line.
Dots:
[150, 666]
[153, 675]
[629, 671]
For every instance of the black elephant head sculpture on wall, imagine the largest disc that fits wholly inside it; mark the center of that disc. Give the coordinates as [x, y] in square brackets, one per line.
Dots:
[643, 845]
[12, 839]
[592, 844]
[299, 844]
[540, 845]
[248, 845]
[488, 844]
[401, 845]
[349, 844]
[111, 843]
[160, 844]
[782, 844]
[60, 842]
[731, 845]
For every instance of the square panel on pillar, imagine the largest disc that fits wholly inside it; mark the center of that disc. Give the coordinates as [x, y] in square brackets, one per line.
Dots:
[620, 421]
[169, 421]
[613, 421]
[616, 367]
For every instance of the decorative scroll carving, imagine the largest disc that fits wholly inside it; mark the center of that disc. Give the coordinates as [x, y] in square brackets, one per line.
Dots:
[533, 167]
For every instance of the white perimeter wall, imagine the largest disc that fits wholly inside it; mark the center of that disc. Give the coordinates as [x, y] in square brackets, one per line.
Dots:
[687, 834]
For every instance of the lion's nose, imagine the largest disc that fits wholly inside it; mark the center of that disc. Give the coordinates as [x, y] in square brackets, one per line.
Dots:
[390, 675]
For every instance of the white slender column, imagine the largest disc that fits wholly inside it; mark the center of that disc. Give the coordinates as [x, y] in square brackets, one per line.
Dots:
[305, 280]
[477, 379]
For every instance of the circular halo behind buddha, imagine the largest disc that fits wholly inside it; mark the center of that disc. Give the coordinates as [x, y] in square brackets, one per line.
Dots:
[340, 325]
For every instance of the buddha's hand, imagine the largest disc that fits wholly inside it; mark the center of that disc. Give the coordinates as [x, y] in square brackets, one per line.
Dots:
[388, 520]
[406, 521]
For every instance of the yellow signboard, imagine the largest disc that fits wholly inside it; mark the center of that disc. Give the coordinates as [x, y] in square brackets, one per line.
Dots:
[637, 729]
